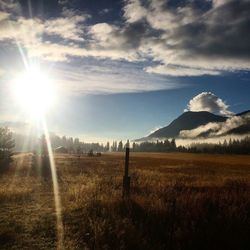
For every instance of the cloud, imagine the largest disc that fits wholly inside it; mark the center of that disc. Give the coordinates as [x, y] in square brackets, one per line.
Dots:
[15, 125]
[35, 35]
[207, 101]
[190, 37]
[32, 29]
[181, 38]
[113, 42]
[193, 133]
[3, 15]
[29, 33]
[154, 129]
[66, 27]
[211, 140]
[134, 11]
[103, 35]
[173, 70]
[9, 5]
[105, 11]
[107, 78]
[217, 3]
[1, 72]
[63, 2]
[215, 129]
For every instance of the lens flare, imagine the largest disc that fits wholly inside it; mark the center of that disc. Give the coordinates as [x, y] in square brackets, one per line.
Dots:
[57, 198]
[34, 91]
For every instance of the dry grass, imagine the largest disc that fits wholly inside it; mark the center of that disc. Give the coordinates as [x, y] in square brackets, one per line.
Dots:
[178, 201]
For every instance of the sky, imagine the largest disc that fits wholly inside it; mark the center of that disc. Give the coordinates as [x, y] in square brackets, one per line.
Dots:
[123, 69]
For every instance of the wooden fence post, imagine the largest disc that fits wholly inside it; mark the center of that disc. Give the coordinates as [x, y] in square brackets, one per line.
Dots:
[126, 177]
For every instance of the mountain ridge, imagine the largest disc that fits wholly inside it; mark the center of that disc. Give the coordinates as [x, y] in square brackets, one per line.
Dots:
[191, 120]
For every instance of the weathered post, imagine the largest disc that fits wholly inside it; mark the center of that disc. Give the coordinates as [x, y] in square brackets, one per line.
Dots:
[126, 177]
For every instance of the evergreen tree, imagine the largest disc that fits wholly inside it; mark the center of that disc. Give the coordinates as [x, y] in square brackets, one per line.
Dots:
[114, 146]
[45, 162]
[120, 146]
[173, 144]
[7, 144]
[107, 148]
[134, 146]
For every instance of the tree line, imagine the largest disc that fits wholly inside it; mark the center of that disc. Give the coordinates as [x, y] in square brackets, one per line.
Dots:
[74, 145]
[231, 146]
[158, 146]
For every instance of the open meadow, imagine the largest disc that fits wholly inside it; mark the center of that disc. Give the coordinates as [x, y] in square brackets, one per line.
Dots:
[178, 201]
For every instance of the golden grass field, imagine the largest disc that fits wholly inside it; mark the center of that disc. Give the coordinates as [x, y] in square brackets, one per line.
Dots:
[178, 201]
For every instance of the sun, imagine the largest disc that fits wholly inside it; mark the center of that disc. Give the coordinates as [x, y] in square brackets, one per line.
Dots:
[34, 91]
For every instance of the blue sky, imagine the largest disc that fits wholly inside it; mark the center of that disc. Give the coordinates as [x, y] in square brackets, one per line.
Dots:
[125, 68]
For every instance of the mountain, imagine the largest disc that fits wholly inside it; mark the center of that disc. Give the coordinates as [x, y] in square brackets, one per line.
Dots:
[192, 123]
[244, 113]
[242, 128]
[187, 121]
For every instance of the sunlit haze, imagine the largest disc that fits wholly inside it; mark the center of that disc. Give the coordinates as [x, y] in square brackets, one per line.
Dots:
[34, 91]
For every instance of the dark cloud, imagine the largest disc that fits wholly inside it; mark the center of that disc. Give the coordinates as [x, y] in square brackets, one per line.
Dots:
[136, 33]
[205, 36]
[223, 32]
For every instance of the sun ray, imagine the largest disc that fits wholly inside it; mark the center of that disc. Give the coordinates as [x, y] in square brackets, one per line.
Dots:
[57, 198]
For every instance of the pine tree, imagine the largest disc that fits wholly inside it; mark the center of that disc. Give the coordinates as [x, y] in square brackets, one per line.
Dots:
[127, 145]
[173, 144]
[120, 146]
[7, 144]
[134, 146]
[45, 161]
[107, 148]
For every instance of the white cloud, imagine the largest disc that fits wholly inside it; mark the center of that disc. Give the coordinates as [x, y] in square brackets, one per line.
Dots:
[107, 79]
[193, 38]
[55, 52]
[102, 33]
[28, 33]
[182, 40]
[154, 129]
[25, 30]
[217, 3]
[193, 133]
[215, 129]
[3, 15]
[211, 140]
[109, 41]
[173, 70]
[66, 27]
[207, 101]
[1, 72]
[134, 11]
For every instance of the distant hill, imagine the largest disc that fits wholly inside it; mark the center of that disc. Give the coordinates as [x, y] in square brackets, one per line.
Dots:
[244, 128]
[191, 120]
[187, 121]
[243, 113]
